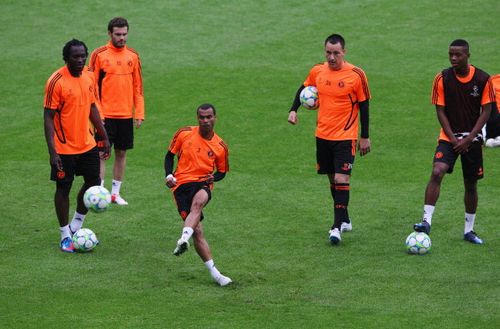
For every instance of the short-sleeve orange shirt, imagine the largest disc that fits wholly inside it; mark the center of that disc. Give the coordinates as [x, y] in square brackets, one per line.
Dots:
[197, 157]
[71, 98]
[438, 97]
[340, 92]
[495, 81]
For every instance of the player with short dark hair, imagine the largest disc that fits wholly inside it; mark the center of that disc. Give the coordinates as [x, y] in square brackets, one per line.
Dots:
[200, 152]
[343, 95]
[117, 70]
[463, 96]
[69, 108]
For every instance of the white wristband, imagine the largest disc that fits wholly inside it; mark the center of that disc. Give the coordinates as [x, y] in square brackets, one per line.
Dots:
[172, 178]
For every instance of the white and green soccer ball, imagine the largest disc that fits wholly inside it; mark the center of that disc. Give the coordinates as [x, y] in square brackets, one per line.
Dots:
[418, 243]
[309, 98]
[84, 240]
[97, 198]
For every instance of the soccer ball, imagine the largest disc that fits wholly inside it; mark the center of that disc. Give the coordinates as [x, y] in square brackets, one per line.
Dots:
[418, 243]
[84, 240]
[97, 198]
[309, 98]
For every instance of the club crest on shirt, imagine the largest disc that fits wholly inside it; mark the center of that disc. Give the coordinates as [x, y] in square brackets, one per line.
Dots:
[211, 154]
[475, 91]
[341, 84]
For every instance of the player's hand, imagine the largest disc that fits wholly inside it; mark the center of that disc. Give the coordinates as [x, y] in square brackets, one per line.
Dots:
[170, 181]
[463, 145]
[104, 149]
[138, 123]
[209, 179]
[292, 118]
[56, 161]
[364, 146]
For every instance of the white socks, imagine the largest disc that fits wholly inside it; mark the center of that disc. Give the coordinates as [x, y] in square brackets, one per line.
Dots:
[76, 222]
[214, 272]
[428, 212]
[469, 222]
[115, 187]
[65, 232]
[187, 232]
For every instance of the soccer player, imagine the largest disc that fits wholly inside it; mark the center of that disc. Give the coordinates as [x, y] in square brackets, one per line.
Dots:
[463, 96]
[492, 130]
[117, 70]
[343, 95]
[200, 152]
[69, 111]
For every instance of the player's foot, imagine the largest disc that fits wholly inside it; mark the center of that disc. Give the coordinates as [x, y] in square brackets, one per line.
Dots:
[422, 227]
[223, 280]
[182, 246]
[67, 245]
[335, 236]
[116, 198]
[472, 238]
[346, 226]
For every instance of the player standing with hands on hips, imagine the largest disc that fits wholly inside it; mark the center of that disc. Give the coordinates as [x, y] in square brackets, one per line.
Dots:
[200, 151]
[117, 71]
[343, 94]
[463, 96]
[69, 110]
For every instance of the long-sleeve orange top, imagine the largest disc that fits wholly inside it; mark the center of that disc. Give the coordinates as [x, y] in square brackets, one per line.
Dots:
[118, 76]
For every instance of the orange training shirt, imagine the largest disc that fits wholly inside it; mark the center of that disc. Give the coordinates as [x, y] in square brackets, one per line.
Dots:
[118, 76]
[197, 157]
[495, 81]
[438, 97]
[339, 93]
[71, 98]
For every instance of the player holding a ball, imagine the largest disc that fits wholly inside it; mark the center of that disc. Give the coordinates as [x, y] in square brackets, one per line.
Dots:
[343, 95]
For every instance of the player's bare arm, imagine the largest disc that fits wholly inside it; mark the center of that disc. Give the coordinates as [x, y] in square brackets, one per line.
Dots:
[95, 118]
[48, 118]
[445, 124]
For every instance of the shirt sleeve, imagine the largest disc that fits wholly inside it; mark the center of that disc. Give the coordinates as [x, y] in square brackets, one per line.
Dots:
[52, 99]
[488, 93]
[138, 91]
[222, 161]
[437, 97]
[361, 86]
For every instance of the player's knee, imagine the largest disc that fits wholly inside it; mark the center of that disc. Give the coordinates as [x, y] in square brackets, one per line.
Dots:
[63, 188]
[437, 174]
[91, 181]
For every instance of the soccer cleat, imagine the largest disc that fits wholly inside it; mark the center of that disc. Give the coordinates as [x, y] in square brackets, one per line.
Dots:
[335, 236]
[182, 246]
[346, 227]
[473, 238]
[422, 227]
[67, 245]
[223, 280]
[116, 198]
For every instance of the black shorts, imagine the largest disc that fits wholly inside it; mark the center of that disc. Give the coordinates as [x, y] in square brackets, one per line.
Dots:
[120, 133]
[335, 156]
[184, 195]
[85, 164]
[472, 161]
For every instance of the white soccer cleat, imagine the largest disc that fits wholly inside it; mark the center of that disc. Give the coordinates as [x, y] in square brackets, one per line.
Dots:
[335, 236]
[116, 198]
[346, 227]
[223, 280]
[182, 247]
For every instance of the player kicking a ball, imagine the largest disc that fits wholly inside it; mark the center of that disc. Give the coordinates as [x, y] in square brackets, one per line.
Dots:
[199, 150]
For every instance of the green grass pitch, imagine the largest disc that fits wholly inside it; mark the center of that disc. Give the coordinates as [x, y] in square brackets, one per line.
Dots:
[268, 220]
